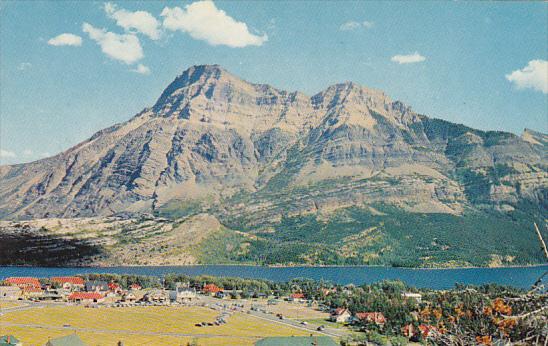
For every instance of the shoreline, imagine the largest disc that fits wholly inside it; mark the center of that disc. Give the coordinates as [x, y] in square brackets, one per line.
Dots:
[272, 266]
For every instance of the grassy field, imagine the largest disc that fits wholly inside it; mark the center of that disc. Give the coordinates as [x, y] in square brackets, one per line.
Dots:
[6, 304]
[138, 326]
[297, 311]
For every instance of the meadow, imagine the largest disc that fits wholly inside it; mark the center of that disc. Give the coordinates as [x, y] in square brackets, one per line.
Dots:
[6, 304]
[138, 326]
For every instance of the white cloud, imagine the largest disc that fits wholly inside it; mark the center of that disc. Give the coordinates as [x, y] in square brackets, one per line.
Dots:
[6, 154]
[27, 152]
[142, 69]
[65, 39]
[138, 21]
[24, 66]
[202, 20]
[534, 76]
[125, 47]
[408, 59]
[353, 25]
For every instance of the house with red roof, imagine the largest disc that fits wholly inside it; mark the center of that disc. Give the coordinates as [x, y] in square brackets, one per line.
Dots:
[22, 282]
[29, 292]
[135, 287]
[69, 283]
[211, 289]
[371, 317]
[296, 297]
[114, 287]
[86, 297]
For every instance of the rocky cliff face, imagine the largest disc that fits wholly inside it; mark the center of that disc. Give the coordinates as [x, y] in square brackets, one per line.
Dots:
[211, 135]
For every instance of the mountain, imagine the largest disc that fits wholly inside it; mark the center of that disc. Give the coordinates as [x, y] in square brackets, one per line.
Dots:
[344, 176]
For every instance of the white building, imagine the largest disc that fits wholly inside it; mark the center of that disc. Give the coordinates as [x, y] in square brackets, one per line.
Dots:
[182, 293]
[341, 315]
[410, 295]
[10, 292]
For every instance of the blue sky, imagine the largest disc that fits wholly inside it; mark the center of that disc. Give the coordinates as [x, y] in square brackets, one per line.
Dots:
[480, 64]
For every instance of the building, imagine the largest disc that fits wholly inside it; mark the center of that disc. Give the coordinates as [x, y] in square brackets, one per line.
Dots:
[232, 293]
[135, 287]
[156, 296]
[86, 297]
[9, 340]
[10, 292]
[348, 289]
[129, 297]
[115, 288]
[52, 295]
[371, 317]
[69, 340]
[23, 282]
[296, 297]
[69, 283]
[182, 293]
[30, 292]
[211, 289]
[410, 295]
[341, 315]
[96, 286]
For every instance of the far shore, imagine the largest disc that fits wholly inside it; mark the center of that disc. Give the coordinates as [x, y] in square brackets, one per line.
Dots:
[276, 266]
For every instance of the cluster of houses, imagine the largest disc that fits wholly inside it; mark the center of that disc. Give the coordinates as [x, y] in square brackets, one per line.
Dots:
[343, 315]
[75, 289]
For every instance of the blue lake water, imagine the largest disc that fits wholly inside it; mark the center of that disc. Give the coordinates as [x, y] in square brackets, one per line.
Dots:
[522, 277]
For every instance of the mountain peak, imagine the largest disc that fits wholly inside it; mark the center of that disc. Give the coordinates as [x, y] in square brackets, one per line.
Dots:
[196, 72]
[199, 75]
[351, 92]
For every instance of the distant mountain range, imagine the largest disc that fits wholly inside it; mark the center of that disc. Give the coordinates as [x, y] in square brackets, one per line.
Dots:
[346, 176]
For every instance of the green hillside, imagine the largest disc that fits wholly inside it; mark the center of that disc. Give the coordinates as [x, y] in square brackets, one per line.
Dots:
[382, 235]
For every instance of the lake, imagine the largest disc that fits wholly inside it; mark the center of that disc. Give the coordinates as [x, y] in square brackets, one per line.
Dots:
[522, 277]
